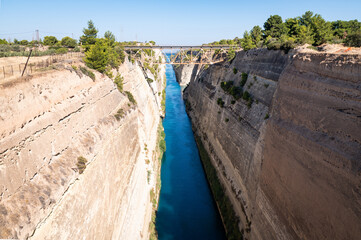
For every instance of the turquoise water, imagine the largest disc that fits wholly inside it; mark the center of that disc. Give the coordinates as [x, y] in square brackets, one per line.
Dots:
[186, 207]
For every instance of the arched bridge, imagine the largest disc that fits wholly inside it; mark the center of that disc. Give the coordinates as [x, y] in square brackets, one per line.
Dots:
[203, 54]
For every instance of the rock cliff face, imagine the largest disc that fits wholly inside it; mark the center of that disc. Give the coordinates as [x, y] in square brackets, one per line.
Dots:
[288, 156]
[46, 123]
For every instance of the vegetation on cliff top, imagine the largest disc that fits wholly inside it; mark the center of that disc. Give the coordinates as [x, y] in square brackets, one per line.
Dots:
[309, 28]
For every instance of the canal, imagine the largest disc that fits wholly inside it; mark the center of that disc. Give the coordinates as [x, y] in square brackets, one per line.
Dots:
[186, 207]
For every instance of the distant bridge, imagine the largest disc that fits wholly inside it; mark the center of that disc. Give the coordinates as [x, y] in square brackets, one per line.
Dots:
[203, 54]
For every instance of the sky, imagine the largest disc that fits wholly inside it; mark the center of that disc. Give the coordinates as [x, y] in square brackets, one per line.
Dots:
[172, 22]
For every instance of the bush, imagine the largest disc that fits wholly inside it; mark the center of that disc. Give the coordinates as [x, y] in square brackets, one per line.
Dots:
[244, 79]
[220, 102]
[131, 97]
[246, 96]
[102, 56]
[354, 39]
[119, 114]
[267, 116]
[61, 51]
[50, 40]
[68, 42]
[235, 70]
[76, 49]
[88, 73]
[118, 80]
[231, 55]
[81, 164]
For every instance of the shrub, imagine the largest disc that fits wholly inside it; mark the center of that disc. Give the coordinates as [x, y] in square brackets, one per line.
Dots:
[61, 50]
[226, 120]
[231, 55]
[81, 164]
[266, 85]
[74, 67]
[102, 56]
[118, 80]
[119, 114]
[267, 116]
[235, 70]
[354, 39]
[220, 102]
[246, 96]
[50, 40]
[88, 73]
[76, 49]
[244, 79]
[131, 97]
[68, 42]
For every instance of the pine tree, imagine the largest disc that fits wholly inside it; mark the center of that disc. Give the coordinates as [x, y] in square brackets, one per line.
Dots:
[90, 35]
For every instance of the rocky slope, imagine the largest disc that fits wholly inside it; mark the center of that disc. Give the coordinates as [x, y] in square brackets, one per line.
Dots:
[289, 155]
[51, 119]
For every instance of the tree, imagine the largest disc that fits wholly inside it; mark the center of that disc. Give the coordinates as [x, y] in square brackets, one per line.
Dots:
[354, 39]
[274, 26]
[110, 36]
[293, 27]
[247, 42]
[102, 56]
[3, 41]
[256, 34]
[50, 40]
[90, 35]
[304, 35]
[68, 42]
[24, 42]
[321, 30]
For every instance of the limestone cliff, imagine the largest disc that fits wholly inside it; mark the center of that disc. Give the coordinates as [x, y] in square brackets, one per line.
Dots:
[47, 122]
[289, 154]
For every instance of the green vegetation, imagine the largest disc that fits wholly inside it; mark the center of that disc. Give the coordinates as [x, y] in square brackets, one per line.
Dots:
[244, 79]
[81, 164]
[102, 56]
[74, 67]
[68, 42]
[229, 88]
[267, 116]
[220, 102]
[287, 34]
[118, 80]
[89, 36]
[266, 85]
[61, 50]
[50, 40]
[235, 71]
[130, 97]
[120, 114]
[226, 120]
[229, 218]
[231, 55]
[87, 72]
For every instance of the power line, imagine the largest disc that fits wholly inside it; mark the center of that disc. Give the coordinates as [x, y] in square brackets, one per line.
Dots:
[16, 33]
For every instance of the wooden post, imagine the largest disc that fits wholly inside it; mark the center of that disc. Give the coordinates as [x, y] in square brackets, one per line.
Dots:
[26, 64]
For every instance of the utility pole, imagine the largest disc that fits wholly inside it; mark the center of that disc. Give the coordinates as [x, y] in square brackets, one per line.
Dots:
[37, 35]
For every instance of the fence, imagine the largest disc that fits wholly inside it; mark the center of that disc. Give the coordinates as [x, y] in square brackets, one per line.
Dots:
[34, 64]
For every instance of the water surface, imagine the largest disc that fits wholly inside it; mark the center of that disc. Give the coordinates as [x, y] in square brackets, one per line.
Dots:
[186, 207]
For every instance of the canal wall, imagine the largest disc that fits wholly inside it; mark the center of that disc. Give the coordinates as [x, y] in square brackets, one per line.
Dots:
[78, 157]
[287, 152]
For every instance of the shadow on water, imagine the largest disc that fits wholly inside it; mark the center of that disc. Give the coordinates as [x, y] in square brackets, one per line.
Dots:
[186, 207]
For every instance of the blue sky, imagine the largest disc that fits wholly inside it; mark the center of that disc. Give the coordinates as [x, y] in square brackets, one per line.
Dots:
[166, 22]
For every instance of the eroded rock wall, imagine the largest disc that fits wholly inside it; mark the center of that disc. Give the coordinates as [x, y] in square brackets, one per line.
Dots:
[50, 120]
[289, 161]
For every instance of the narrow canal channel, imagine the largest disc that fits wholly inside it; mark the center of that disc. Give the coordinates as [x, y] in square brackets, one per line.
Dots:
[186, 207]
